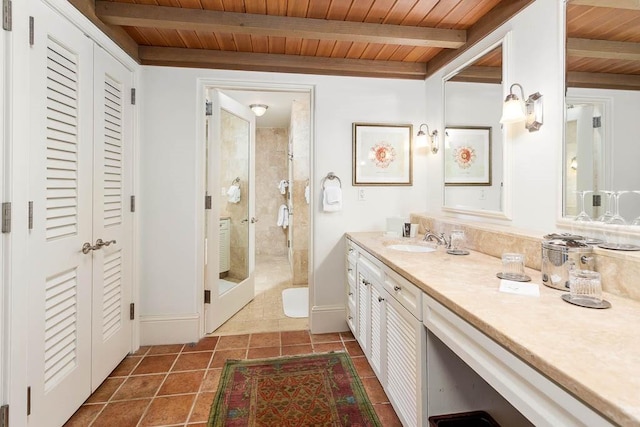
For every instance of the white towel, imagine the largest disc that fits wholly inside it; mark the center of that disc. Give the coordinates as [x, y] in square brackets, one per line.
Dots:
[283, 216]
[283, 186]
[233, 194]
[332, 199]
[307, 194]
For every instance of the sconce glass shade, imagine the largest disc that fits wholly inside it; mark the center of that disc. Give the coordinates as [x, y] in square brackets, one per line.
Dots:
[512, 110]
[258, 109]
[421, 139]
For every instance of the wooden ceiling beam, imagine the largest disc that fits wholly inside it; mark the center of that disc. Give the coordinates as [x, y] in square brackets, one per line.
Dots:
[485, 25]
[603, 80]
[615, 4]
[604, 49]
[479, 74]
[202, 58]
[149, 16]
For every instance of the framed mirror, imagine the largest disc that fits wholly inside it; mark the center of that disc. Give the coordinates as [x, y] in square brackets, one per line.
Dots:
[473, 141]
[602, 126]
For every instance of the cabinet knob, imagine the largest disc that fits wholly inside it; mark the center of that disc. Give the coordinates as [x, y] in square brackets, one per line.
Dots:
[349, 270]
[350, 294]
[350, 250]
[380, 299]
[350, 317]
[396, 288]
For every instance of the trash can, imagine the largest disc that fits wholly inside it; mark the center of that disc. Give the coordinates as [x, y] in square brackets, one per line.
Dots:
[463, 419]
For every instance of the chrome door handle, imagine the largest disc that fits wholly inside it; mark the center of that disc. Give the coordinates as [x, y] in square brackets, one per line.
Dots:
[253, 220]
[100, 243]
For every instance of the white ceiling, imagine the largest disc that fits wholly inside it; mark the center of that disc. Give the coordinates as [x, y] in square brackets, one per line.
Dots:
[279, 112]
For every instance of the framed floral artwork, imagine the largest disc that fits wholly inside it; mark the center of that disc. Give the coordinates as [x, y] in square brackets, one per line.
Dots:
[382, 154]
[467, 156]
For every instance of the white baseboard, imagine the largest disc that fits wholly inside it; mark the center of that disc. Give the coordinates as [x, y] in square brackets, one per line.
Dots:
[328, 318]
[157, 330]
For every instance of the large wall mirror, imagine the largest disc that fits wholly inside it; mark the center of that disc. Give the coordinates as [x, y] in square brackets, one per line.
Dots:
[474, 155]
[602, 127]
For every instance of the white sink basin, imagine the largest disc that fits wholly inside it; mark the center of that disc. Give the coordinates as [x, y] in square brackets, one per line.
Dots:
[411, 248]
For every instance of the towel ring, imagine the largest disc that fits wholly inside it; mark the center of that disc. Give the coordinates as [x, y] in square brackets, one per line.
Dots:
[236, 181]
[331, 176]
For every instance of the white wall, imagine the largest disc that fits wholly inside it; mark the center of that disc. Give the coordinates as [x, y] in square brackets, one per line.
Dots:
[169, 179]
[535, 60]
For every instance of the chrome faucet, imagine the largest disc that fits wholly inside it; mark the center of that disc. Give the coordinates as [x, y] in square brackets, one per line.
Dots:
[440, 239]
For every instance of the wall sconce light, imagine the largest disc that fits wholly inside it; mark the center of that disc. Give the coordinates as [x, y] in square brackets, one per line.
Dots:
[258, 109]
[432, 136]
[515, 110]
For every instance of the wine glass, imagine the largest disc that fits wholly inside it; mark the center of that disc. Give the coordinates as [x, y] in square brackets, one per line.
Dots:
[617, 219]
[615, 224]
[582, 220]
[607, 215]
[637, 220]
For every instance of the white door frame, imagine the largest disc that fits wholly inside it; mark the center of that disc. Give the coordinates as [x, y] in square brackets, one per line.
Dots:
[204, 84]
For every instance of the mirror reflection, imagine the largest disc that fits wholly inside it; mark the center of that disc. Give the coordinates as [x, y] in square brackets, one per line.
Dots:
[602, 109]
[473, 139]
[234, 215]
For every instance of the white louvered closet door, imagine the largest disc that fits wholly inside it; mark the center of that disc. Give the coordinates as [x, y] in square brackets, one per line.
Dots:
[59, 330]
[112, 180]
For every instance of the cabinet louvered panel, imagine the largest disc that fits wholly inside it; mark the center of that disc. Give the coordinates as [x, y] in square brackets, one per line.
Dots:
[402, 364]
[112, 295]
[376, 331]
[60, 327]
[61, 142]
[112, 152]
[363, 308]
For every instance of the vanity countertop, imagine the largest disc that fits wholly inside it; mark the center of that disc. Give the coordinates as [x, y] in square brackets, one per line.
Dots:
[592, 353]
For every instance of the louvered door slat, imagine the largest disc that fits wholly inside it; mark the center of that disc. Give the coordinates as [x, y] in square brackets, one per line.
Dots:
[112, 160]
[402, 363]
[60, 326]
[62, 141]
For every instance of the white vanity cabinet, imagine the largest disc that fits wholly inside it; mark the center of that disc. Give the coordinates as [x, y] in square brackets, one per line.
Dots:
[390, 332]
[351, 288]
[405, 342]
[371, 313]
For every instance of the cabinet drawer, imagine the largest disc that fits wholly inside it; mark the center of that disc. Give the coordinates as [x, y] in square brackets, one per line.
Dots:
[352, 317]
[406, 293]
[351, 272]
[351, 294]
[371, 270]
[352, 252]
[224, 224]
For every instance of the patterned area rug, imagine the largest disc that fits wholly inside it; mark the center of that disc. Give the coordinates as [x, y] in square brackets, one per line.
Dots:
[312, 390]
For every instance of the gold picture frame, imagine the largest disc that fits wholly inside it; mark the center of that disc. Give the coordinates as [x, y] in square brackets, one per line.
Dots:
[382, 154]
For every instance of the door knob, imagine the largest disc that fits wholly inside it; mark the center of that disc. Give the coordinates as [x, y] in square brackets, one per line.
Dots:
[100, 243]
[253, 220]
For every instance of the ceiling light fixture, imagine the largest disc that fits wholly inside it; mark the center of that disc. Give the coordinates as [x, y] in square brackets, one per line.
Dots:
[515, 110]
[422, 137]
[259, 109]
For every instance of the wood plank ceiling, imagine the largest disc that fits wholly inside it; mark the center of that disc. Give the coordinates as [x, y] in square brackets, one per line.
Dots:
[603, 44]
[373, 38]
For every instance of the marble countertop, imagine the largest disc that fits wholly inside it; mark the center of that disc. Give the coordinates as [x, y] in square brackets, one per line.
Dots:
[594, 354]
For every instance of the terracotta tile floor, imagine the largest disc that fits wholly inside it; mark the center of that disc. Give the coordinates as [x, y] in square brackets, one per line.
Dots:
[174, 385]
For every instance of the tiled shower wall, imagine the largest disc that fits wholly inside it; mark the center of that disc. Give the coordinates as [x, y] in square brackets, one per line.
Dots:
[271, 168]
[300, 141]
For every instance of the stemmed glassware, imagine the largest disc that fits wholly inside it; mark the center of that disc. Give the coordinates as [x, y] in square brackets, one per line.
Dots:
[617, 219]
[637, 220]
[581, 221]
[614, 239]
[607, 215]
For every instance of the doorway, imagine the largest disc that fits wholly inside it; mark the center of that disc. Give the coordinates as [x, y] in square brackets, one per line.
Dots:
[281, 222]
